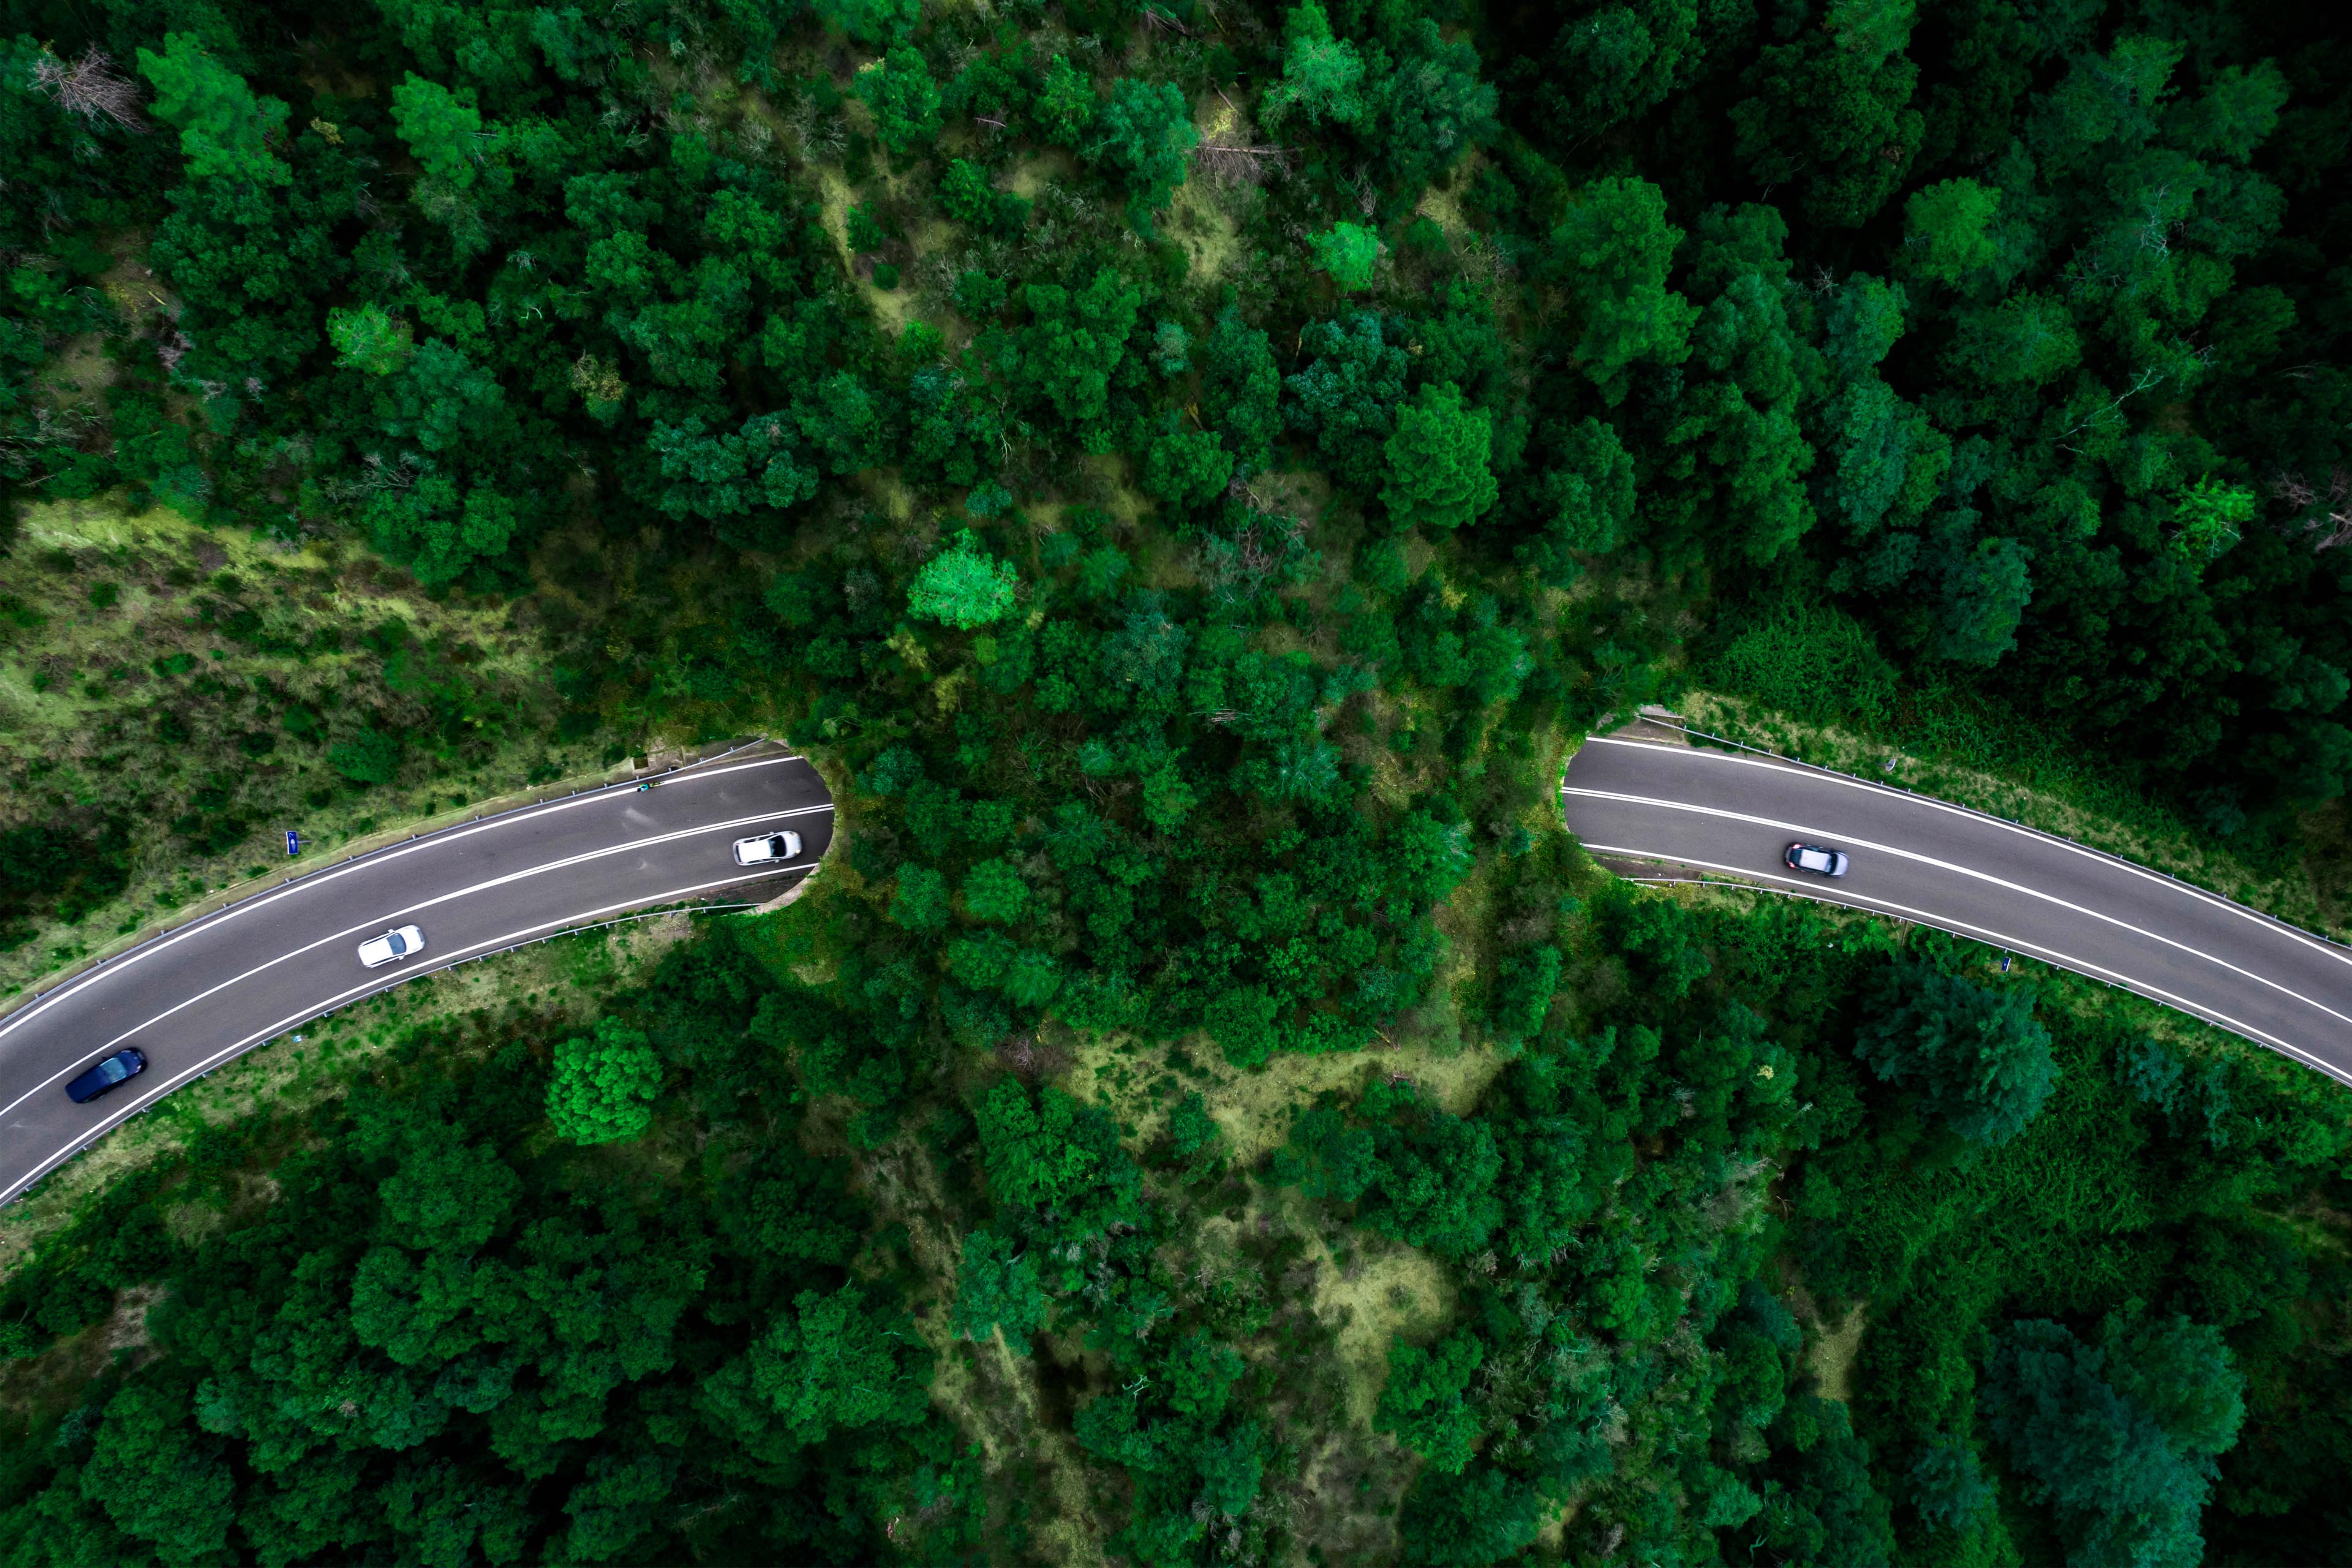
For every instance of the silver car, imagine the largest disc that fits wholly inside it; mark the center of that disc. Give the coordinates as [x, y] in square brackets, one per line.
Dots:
[766, 848]
[1812, 858]
[407, 942]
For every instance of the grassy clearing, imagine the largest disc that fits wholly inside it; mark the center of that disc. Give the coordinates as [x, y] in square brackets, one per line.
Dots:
[2056, 791]
[556, 983]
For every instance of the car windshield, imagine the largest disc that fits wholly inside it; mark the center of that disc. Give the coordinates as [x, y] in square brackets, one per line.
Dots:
[777, 846]
[393, 941]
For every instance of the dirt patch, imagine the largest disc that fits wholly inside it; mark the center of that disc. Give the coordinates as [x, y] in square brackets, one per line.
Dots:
[1830, 1351]
[1140, 1083]
[1033, 173]
[994, 1396]
[1384, 1289]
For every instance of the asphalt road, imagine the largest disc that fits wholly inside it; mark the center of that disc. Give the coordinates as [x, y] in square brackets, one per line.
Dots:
[200, 995]
[1942, 864]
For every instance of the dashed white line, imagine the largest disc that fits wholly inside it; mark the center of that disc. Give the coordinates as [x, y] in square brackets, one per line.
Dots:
[380, 857]
[378, 920]
[83, 1139]
[1803, 831]
[2204, 896]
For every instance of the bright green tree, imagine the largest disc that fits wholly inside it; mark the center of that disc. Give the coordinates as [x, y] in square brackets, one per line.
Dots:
[1438, 472]
[1241, 1021]
[1322, 76]
[1348, 252]
[442, 128]
[1948, 232]
[898, 89]
[963, 586]
[225, 131]
[1612, 251]
[1065, 103]
[605, 1084]
[831, 1365]
[367, 339]
[1424, 1400]
[1029, 1148]
[993, 892]
[2210, 516]
[1144, 133]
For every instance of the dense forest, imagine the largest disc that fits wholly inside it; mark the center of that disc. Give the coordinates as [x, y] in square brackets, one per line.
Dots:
[1190, 474]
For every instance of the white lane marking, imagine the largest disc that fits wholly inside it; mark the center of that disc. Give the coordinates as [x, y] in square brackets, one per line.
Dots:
[83, 1140]
[378, 858]
[1964, 928]
[2332, 950]
[1803, 832]
[375, 920]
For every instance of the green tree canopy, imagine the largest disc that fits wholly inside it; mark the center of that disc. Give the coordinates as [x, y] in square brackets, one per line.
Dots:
[2121, 1437]
[225, 130]
[605, 1084]
[1145, 133]
[1976, 1054]
[963, 586]
[997, 1288]
[1438, 461]
[1348, 252]
[1612, 251]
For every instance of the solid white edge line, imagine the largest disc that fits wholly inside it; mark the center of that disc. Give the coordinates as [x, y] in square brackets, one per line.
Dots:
[1963, 928]
[2205, 895]
[83, 1140]
[374, 920]
[1957, 870]
[375, 858]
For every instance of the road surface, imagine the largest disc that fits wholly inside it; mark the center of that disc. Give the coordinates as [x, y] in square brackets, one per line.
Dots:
[197, 997]
[1944, 866]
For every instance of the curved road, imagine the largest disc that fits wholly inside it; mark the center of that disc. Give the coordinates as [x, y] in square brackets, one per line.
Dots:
[1945, 865]
[199, 995]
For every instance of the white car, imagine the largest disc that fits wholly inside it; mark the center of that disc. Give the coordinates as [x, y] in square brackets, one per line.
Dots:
[392, 946]
[766, 847]
[1812, 858]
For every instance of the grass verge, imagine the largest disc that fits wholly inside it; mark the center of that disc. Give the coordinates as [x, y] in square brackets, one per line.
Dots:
[2045, 789]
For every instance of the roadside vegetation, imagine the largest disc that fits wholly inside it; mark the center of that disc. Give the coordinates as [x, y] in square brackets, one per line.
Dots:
[176, 698]
[1189, 475]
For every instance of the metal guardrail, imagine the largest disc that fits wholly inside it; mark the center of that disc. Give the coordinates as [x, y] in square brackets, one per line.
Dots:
[83, 1147]
[2174, 1004]
[257, 886]
[1674, 721]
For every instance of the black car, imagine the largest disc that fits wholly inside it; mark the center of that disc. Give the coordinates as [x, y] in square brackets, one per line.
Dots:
[1812, 858]
[126, 1063]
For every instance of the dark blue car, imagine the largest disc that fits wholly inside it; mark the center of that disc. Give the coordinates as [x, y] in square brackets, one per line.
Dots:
[126, 1063]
